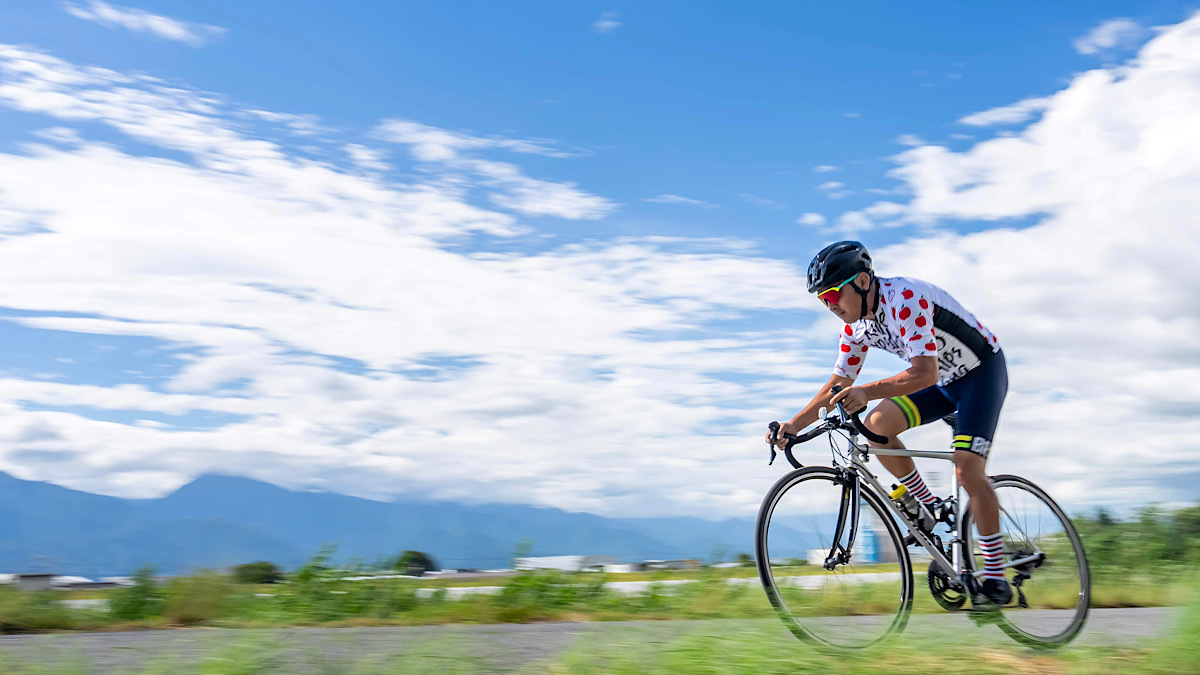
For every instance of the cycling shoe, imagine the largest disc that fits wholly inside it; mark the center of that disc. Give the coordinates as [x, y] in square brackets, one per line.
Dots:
[991, 595]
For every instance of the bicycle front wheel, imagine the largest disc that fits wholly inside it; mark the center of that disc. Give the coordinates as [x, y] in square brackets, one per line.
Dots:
[1054, 581]
[857, 603]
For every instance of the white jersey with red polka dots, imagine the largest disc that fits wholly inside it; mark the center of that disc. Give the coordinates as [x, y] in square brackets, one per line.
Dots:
[916, 318]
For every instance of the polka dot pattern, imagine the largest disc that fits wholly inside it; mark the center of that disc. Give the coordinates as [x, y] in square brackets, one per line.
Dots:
[903, 325]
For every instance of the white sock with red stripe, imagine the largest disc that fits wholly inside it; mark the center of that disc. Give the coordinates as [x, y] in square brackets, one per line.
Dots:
[916, 487]
[992, 546]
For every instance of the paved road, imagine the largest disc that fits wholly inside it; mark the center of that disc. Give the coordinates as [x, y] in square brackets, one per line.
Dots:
[639, 587]
[498, 648]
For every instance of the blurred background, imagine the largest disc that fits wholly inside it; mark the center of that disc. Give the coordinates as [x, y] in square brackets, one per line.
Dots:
[453, 276]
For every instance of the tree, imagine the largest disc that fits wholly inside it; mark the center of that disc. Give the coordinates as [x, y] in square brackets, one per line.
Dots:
[416, 563]
[745, 559]
[261, 572]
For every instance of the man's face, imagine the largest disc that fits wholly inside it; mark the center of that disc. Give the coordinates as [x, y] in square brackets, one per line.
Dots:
[848, 305]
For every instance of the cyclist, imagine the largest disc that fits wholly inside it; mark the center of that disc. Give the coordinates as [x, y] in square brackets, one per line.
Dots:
[955, 365]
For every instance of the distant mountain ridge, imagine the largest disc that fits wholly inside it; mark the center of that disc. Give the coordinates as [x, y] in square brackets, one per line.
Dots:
[217, 521]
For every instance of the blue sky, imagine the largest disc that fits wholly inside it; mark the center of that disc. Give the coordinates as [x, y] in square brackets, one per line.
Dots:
[388, 234]
[703, 100]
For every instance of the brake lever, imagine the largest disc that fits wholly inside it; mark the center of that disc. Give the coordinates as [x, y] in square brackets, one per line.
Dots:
[774, 427]
[858, 425]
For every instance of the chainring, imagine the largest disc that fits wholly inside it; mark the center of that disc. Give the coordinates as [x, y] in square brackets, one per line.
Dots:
[939, 586]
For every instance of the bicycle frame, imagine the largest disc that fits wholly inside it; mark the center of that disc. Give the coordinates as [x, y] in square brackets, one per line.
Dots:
[859, 455]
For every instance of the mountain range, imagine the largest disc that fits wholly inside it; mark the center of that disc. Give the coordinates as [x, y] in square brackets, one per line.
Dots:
[218, 521]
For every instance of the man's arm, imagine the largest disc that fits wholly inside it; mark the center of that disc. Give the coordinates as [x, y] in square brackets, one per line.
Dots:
[923, 372]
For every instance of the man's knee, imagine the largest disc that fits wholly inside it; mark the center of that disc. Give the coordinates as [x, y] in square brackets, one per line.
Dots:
[886, 419]
[969, 467]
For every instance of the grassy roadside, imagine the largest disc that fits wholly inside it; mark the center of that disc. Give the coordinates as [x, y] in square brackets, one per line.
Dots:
[322, 598]
[727, 649]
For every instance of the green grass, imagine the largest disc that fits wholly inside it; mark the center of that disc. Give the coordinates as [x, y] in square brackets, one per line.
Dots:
[727, 648]
[766, 650]
[322, 598]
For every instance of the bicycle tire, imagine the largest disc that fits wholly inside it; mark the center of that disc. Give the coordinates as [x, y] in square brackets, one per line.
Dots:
[1005, 621]
[770, 584]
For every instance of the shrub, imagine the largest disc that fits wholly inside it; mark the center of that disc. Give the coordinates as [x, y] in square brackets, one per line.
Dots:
[261, 572]
[31, 611]
[416, 563]
[140, 601]
[197, 599]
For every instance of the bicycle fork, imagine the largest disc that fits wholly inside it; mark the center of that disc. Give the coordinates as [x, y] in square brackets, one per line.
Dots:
[838, 554]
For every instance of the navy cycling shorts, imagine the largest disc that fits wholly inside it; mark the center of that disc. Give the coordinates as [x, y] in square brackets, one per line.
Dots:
[976, 396]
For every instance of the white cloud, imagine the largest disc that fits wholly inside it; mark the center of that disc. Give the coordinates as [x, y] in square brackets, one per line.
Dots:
[366, 158]
[432, 144]
[812, 219]
[301, 125]
[64, 135]
[825, 168]
[834, 189]
[1100, 348]
[514, 190]
[262, 273]
[1112, 34]
[677, 199]
[1015, 113]
[756, 200]
[140, 21]
[911, 140]
[607, 23]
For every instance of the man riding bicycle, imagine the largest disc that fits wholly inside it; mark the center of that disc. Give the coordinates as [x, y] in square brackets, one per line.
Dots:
[955, 365]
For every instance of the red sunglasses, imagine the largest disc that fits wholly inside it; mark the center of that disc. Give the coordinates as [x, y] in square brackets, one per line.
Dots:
[832, 296]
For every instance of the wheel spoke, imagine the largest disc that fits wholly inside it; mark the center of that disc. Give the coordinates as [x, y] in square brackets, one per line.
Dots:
[859, 602]
[1057, 587]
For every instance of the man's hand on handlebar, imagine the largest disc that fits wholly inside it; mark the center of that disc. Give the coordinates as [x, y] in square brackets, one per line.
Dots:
[781, 440]
[853, 400]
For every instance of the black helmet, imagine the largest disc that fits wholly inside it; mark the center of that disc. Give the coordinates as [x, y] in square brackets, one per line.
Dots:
[836, 263]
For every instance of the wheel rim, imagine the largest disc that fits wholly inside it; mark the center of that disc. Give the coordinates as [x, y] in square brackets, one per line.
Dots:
[857, 604]
[1058, 587]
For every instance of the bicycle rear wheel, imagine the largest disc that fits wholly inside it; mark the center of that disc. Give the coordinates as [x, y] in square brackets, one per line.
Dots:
[1056, 583]
[856, 604]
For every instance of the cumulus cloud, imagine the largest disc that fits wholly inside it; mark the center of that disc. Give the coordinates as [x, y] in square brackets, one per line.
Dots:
[812, 219]
[1112, 34]
[1100, 349]
[140, 21]
[313, 308]
[825, 168]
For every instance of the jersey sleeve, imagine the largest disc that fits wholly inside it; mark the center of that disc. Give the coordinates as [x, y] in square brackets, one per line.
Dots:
[851, 354]
[914, 313]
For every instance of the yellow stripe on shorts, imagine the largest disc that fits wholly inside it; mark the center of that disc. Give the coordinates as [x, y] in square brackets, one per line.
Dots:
[962, 442]
[910, 410]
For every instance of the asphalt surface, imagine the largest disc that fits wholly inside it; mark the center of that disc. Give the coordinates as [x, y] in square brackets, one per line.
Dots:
[490, 648]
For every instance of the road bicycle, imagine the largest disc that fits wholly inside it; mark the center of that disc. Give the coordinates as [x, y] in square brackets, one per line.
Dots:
[835, 565]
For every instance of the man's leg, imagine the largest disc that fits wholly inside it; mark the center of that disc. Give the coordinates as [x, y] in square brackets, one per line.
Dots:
[984, 505]
[889, 420]
[981, 395]
[895, 415]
